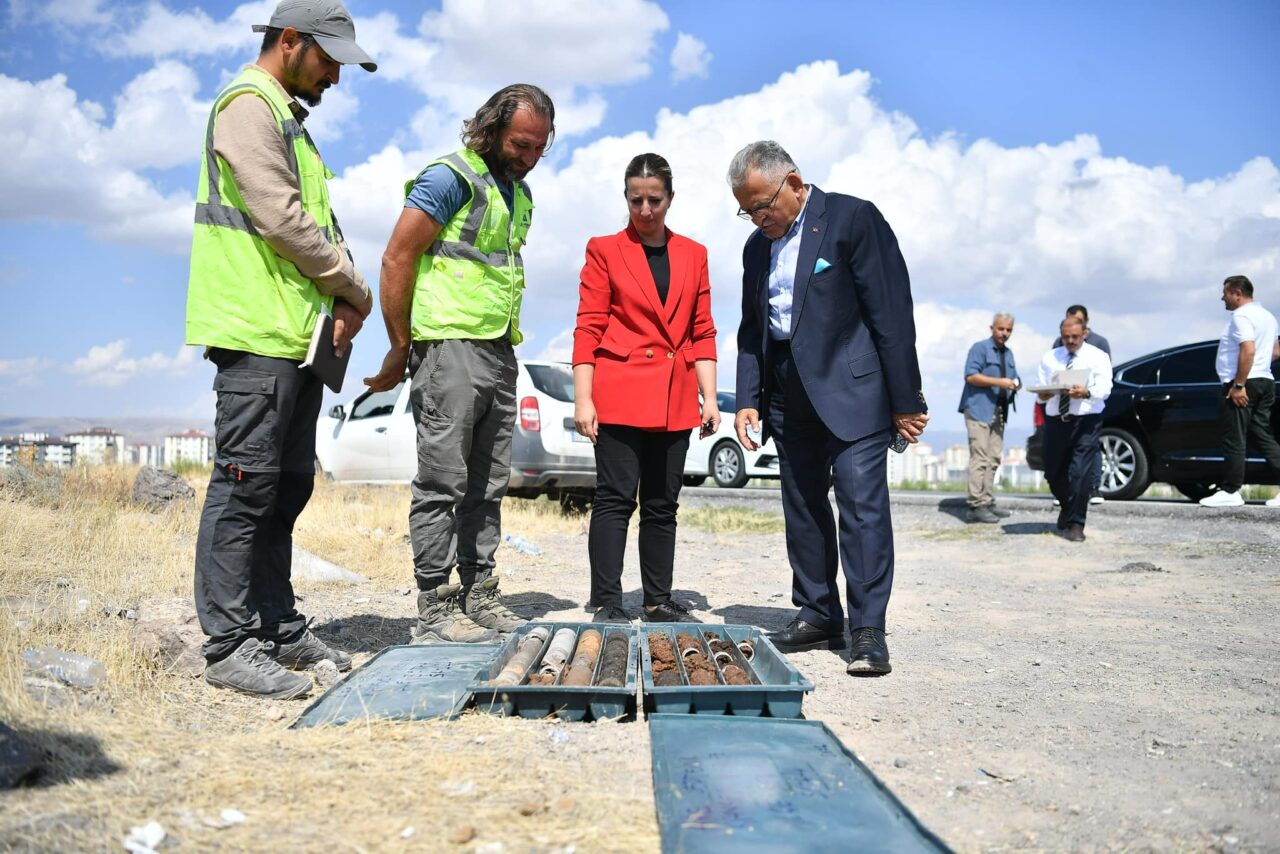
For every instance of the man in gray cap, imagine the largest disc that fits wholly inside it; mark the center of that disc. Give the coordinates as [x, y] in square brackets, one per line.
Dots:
[267, 260]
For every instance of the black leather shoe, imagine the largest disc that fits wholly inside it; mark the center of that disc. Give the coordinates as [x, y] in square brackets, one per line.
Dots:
[1000, 512]
[1075, 533]
[611, 614]
[870, 654]
[668, 612]
[1062, 519]
[981, 514]
[799, 636]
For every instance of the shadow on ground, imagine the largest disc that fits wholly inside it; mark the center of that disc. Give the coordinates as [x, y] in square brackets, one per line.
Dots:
[772, 619]
[1029, 528]
[46, 757]
[956, 507]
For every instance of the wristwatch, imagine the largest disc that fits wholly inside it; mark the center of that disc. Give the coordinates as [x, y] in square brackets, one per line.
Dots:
[1237, 385]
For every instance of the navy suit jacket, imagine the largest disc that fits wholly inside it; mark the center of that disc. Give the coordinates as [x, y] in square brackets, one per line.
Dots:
[853, 335]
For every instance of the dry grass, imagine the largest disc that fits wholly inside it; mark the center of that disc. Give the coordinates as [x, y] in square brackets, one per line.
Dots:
[148, 745]
[732, 520]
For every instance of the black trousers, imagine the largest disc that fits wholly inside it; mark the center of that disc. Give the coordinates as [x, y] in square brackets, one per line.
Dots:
[263, 474]
[1242, 424]
[1070, 447]
[808, 455]
[630, 459]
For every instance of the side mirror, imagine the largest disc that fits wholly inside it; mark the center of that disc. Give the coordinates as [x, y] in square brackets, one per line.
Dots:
[338, 413]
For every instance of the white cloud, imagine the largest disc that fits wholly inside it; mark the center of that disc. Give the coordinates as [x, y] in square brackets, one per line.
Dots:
[559, 348]
[62, 14]
[329, 122]
[109, 365]
[560, 43]
[982, 226]
[159, 32]
[23, 373]
[159, 123]
[64, 164]
[689, 58]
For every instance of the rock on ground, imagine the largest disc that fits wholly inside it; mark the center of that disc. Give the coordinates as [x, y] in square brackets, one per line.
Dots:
[156, 487]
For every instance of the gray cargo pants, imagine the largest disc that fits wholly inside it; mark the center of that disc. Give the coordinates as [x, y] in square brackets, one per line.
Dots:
[464, 404]
[263, 474]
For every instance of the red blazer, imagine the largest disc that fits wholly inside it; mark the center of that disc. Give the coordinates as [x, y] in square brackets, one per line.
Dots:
[644, 350]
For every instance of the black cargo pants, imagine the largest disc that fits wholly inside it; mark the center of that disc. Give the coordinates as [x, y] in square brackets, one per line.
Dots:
[263, 474]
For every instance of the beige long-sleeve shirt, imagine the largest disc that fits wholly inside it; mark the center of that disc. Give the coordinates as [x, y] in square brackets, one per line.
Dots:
[247, 137]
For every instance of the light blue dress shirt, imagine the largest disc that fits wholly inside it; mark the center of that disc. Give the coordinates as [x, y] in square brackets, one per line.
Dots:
[783, 254]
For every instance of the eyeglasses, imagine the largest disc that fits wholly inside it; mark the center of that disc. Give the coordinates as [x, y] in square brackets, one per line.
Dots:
[759, 209]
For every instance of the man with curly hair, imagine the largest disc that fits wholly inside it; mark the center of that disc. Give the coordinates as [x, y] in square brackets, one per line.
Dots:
[452, 282]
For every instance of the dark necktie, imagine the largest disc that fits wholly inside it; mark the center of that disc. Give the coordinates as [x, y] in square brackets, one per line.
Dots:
[1002, 398]
[1064, 397]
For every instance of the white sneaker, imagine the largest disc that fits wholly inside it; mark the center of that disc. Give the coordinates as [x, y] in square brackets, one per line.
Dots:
[1056, 504]
[1274, 501]
[1223, 499]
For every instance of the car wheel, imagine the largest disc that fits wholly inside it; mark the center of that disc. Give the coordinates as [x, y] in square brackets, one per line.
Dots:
[694, 479]
[728, 467]
[1125, 473]
[1194, 491]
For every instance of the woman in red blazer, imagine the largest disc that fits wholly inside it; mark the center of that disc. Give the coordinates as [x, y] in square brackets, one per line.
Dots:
[645, 345]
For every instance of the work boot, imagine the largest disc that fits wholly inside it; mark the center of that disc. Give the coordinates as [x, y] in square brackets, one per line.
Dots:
[308, 651]
[981, 514]
[484, 606]
[252, 669]
[440, 618]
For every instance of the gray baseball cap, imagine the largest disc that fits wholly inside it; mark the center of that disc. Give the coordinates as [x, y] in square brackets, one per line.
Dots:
[328, 22]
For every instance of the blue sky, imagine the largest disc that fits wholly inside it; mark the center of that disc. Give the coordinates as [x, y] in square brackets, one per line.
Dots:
[1029, 155]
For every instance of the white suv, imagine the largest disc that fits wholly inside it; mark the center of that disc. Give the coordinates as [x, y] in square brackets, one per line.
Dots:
[373, 439]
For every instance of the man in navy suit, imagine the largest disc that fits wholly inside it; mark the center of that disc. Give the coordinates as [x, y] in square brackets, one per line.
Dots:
[827, 367]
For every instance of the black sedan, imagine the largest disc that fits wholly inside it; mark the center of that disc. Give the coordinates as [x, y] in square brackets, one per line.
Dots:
[1161, 424]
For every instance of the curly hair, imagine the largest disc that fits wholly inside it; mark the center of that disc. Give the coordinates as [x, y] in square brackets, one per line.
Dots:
[480, 132]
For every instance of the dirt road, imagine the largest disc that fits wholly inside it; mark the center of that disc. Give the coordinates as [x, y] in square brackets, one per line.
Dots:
[1043, 695]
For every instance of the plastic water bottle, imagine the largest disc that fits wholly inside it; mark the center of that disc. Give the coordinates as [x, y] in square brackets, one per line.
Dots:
[78, 671]
[522, 545]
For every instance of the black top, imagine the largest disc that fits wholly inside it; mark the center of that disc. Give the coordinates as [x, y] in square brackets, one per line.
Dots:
[660, 267]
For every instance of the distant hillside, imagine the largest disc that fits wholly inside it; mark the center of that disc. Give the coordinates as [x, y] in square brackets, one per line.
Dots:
[137, 431]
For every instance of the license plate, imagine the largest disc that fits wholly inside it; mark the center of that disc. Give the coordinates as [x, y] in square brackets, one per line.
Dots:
[578, 437]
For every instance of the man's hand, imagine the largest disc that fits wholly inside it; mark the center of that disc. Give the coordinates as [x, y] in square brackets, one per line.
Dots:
[392, 371]
[584, 419]
[1239, 397]
[910, 424]
[1078, 391]
[347, 323]
[747, 418]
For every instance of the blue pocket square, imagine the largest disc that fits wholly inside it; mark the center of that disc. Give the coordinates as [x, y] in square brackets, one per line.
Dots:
[821, 265]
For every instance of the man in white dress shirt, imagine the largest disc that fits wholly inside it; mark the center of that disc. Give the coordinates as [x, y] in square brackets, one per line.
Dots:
[1073, 423]
[1246, 350]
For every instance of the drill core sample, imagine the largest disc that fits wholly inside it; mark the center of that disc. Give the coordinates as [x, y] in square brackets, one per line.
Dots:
[584, 659]
[701, 671]
[663, 660]
[748, 649]
[613, 661]
[735, 675]
[688, 644]
[526, 652]
[557, 655]
[721, 650]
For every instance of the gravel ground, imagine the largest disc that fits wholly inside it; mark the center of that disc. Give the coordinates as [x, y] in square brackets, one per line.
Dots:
[1045, 695]
[1120, 694]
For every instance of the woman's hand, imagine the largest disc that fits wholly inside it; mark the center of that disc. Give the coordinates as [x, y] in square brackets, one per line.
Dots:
[584, 419]
[710, 417]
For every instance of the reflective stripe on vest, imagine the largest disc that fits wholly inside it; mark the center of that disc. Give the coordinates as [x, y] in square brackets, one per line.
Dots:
[241, 294]
[470, 281]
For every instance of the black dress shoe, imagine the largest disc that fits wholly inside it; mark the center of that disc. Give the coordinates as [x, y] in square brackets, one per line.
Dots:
[611, 614]
[668, 612]
[998, 511]
[799, 636]
[870, 654]
[1075, 533]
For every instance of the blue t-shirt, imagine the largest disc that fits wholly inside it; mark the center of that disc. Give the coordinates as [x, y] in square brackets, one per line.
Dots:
[440, 193]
